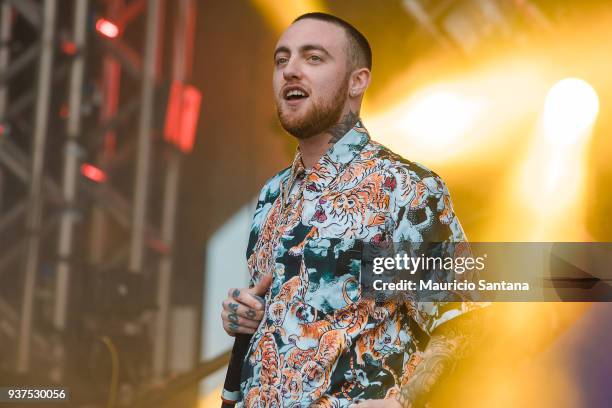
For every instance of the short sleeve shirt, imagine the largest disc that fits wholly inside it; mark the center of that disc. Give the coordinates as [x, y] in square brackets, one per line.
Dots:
[321, 343]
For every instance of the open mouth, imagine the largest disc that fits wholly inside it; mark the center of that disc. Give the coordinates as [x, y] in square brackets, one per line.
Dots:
[295, 93]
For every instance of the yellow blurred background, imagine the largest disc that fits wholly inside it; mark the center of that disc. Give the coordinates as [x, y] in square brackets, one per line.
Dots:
[519, 128]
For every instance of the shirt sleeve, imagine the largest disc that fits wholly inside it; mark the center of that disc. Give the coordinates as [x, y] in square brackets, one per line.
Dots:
[268, 194]
[423, 217]
[253, 237]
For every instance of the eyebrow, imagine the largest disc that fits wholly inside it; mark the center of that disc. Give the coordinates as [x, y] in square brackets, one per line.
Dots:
[303, 48]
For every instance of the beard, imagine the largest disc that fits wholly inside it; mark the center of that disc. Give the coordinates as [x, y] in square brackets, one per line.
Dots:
[319, 117]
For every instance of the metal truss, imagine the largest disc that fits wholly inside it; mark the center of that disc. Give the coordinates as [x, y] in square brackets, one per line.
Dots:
[460, 25]
[52, 208]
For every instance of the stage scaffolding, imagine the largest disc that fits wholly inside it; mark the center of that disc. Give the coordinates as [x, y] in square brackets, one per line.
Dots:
[46, 218]
[460, 26]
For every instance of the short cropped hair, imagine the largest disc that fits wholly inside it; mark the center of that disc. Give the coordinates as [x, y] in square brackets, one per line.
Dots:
[360, 53]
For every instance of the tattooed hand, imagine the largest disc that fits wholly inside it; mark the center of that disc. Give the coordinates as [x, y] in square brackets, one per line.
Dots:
[449, 343]
[244, 308]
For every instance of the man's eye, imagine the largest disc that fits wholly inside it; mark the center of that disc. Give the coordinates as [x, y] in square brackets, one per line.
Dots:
[281, 60]
[315, 58]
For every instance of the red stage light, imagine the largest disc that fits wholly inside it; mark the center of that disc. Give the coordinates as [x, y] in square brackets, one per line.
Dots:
[192, 97]
[173, 112]
[93, 173]
[182, 115]
[69, 47]
[107, 28]
[64, 112]
[5, 130]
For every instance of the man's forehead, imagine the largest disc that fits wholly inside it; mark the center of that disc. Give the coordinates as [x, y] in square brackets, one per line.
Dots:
[311, 31]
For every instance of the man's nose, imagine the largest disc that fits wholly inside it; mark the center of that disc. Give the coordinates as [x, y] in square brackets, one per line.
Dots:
[292, 70]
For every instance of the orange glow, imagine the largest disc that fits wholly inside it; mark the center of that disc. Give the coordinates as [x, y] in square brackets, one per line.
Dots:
[280, 14]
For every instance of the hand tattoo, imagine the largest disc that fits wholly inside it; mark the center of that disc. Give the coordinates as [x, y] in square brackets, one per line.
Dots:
[233, 306]
[233, 317]
[236, 293]
[250, 313]
[261, 300]
[233, 327]
[449, 343]
[340, 128]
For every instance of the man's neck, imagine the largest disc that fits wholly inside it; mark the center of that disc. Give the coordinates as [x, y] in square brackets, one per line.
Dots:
[314, 147]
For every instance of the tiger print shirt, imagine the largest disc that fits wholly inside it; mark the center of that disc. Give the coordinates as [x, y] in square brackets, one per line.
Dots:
[321, 343]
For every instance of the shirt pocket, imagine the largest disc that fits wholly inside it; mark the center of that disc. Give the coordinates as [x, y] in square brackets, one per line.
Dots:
[333, 266]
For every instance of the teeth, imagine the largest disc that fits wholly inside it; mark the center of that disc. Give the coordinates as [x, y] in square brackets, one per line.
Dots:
[295, 92]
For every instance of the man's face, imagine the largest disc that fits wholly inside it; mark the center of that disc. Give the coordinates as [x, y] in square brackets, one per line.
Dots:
[310, 77]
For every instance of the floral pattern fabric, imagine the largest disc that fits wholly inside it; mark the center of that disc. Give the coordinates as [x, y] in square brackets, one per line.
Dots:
[321, 343]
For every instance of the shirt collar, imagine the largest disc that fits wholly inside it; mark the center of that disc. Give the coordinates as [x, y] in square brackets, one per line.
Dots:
[333, 162]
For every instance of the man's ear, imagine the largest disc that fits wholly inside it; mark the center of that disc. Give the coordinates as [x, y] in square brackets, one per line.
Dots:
[359, 82]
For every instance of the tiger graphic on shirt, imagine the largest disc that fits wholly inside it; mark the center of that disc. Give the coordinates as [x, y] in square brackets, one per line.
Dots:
[322, 343]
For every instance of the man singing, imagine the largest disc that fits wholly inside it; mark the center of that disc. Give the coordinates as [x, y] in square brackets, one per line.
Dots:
[317, 341]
